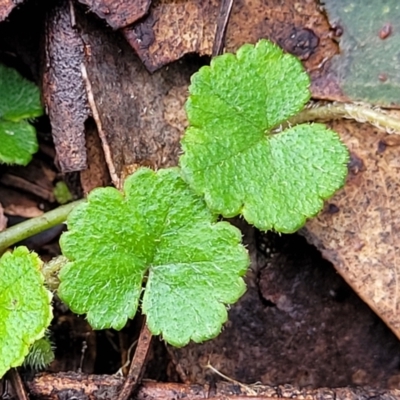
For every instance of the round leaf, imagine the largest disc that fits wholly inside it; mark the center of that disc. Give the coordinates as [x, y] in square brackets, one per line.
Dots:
[158, 227]
[25, 310]
[19, 98]
[276, 181]
[18, 142]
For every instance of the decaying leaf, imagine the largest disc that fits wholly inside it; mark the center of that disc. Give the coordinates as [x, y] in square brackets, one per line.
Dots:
[173, 29]
[358, 230]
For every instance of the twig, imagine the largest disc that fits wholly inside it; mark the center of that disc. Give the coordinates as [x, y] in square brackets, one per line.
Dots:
[35, 225]
[222, 23]
[247, 388]
[102, 134]
[358, 112]
[138, 363]
[17, 384]
[94, 387]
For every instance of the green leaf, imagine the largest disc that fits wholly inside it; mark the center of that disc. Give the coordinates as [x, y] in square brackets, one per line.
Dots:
[158, 227]
[18, 142]
[62, 193]
[41, 354]
[19, 100]
[232, 157]
[25, 310]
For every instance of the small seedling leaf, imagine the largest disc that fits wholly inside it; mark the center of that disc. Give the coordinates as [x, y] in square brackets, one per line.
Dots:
[40, 355]
[231, 156]
[18, 142]
[158, 229]
[19, 100]
[25, 310]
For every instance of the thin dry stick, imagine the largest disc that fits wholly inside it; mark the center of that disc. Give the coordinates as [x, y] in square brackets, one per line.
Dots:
[17, 384]
[102, 134]
[138, 363]
[358, 112]
[222, 23]
[247, 388]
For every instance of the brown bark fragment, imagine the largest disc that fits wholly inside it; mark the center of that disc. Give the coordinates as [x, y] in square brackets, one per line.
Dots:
[93, 387]
[173, 29]
[361, 239]
[63, 90]
[129, 103]
[118, 13]
[6, 6]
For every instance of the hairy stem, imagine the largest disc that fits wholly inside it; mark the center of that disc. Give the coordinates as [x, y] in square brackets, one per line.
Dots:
[360, 113]
[36, 225]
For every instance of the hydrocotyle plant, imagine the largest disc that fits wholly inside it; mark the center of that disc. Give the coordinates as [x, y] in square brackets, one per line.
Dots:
[234, 152]
[159, 243]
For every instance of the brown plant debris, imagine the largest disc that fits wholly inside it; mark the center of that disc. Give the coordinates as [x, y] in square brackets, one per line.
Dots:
[129, 105]
[63, 89]
[358, 229]
[173, 29]
[6, 6]
[118, 13]
[105, 387]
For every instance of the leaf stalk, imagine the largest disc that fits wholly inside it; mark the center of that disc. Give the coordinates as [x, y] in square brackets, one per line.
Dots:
[35, 225]
[357, 112]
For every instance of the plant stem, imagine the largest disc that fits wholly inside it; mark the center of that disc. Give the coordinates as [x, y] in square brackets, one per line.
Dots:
[35, 225]
[360, 113]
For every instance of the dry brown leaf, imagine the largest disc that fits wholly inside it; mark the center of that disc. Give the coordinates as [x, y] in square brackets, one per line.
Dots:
[63, 89]
[23, 211]
[173, 29]
[358, 229]
[298, 27]
[118, 13]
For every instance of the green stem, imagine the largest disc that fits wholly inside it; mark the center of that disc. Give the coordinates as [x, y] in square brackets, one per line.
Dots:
[35, 225]
[360, 113]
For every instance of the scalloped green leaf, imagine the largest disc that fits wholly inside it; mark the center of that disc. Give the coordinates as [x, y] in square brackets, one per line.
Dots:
[233, 158]
[25, 306]
[18, 142]
[159, 229]
[19, 100]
